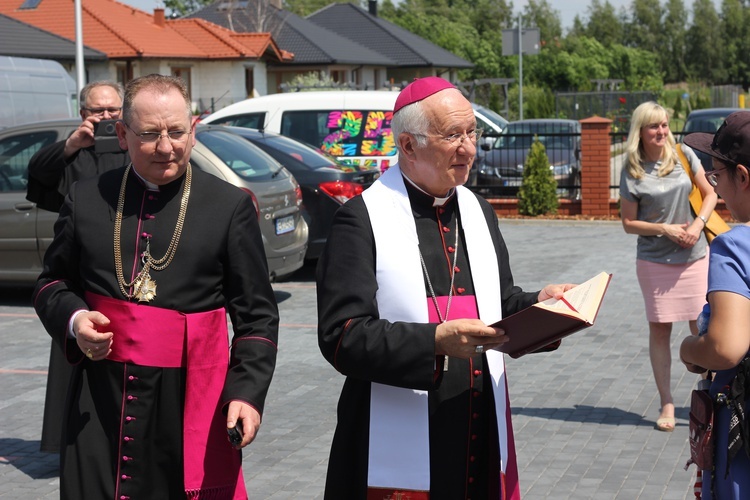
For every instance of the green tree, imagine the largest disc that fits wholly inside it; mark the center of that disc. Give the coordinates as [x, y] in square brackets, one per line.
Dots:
[421, 16]
[313, 79]
[675, 48]
[540, 13]
[306, 7]
[579, 27]
[604, 25]
[183, 7]
[704, 44]
[644, 29]
[734, 41]
[638, 68]
[581, 59]
[538, 192]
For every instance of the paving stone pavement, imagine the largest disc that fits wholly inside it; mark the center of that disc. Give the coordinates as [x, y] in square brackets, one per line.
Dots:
[583, 415]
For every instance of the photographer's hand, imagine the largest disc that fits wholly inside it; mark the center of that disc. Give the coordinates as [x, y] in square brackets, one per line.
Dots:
[83, 137]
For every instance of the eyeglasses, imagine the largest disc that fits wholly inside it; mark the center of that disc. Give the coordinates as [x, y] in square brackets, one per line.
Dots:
[456, 140]
[174, 136]
[101, 111]
[712, 176]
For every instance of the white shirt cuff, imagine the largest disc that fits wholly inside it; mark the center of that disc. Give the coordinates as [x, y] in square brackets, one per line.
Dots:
[71, 333]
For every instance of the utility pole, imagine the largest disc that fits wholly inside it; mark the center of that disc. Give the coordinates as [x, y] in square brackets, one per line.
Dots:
[80, 78]
[514, 42]
[520, 67]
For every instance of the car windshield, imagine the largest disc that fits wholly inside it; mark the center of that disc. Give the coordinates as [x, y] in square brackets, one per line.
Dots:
[709, 124]
[312, 158]
[490, 115]
[522, 135]
[241, 156]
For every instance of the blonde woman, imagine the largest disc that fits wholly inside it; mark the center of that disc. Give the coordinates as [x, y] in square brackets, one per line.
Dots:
[671, 261]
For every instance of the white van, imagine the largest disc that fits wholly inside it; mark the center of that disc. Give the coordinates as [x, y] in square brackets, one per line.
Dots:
[33, 90]
[352, 125]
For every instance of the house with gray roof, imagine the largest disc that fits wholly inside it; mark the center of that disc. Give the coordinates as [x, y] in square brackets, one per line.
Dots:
[315, 49]
[413, 55]
[341, 41]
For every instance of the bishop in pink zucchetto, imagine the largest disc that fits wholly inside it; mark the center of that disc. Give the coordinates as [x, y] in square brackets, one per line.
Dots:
[425, 412]
[419, 89]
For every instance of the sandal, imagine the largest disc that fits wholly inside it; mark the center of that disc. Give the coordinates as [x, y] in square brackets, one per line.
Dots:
[665, 424]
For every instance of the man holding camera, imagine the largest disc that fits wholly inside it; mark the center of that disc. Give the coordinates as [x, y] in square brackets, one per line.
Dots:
[54, 168]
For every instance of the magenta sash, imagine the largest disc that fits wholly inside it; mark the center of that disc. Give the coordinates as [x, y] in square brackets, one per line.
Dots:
[152, 336]
[462, 306]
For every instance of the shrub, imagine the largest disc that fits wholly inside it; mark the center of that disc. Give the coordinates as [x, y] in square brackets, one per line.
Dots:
[538, 192]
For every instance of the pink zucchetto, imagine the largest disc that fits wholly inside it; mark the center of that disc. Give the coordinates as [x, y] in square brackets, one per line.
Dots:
[419, 89]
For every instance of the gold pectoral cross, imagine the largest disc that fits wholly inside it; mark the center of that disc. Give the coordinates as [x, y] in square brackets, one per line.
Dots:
[145, 288]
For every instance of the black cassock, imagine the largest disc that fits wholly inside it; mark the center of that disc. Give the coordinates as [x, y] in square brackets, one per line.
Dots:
[51, 175]
[50, 178]
[219, 262]
[464, 459]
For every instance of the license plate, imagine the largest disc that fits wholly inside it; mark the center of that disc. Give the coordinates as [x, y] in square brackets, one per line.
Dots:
[285, 224]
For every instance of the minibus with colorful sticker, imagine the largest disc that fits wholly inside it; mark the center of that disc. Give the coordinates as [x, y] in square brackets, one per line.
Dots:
[354, 126]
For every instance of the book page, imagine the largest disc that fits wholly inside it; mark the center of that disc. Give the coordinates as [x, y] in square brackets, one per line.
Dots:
[584, 298]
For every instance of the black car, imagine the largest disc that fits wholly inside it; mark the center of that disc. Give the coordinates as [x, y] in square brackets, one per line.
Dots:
[500, 167]
[706, 120]
[325, 183]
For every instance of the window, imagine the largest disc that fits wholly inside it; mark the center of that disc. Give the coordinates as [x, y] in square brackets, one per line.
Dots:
[339, 76]
[241, 156]
[15, 153]
[342, 133]
[30, 4]
[249, 82]
[249, 120]
[123, 76]
[183, 73]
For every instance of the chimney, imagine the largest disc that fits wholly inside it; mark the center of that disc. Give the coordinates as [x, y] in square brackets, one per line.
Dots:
[159, 17]
[276, 4]
[372, 6]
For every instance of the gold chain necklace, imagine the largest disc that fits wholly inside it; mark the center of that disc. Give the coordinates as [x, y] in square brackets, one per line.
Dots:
[144, 288]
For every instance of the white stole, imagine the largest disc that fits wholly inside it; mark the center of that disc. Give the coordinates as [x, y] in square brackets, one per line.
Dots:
[399, 455]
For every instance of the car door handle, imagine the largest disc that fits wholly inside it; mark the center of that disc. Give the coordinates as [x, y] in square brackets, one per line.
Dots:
[25, 206]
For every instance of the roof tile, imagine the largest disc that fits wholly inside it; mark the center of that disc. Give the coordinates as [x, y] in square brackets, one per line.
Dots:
[124, 32]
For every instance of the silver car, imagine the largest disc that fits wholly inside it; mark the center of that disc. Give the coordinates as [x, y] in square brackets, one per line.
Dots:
[26, 231]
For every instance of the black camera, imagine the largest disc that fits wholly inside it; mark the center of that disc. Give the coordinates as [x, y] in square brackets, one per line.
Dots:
[105, 137]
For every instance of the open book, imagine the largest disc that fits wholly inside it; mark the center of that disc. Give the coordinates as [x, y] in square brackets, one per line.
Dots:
[546, 322]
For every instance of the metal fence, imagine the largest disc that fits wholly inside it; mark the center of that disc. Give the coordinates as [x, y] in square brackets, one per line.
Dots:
[499, 165]
[618, 106]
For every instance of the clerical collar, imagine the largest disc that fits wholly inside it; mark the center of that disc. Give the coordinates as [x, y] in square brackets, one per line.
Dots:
[436, 202]
[150, 185]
